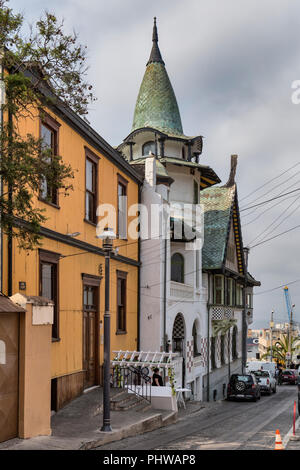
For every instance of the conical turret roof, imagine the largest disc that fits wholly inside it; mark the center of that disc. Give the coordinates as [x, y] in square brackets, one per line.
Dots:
[156, 105]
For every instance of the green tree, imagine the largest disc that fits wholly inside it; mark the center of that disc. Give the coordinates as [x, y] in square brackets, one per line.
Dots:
[38, 70]
[281, 348]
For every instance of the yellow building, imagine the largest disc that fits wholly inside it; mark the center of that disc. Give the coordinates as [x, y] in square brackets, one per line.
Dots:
[69, 267]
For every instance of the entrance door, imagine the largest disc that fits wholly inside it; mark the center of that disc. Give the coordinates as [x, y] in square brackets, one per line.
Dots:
[9, 372]
[90, 338]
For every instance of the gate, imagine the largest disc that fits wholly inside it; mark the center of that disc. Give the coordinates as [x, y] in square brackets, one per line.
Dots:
[9, 373]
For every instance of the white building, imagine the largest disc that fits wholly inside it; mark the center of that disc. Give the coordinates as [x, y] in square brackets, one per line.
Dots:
[228, 287]
[173, 293]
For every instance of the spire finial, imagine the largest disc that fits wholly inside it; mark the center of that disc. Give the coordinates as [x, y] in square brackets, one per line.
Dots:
[154, 35]
[231, 179]
[155, 55]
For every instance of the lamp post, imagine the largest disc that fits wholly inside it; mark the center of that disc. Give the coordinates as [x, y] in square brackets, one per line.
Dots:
[271, 334]
[107, 236]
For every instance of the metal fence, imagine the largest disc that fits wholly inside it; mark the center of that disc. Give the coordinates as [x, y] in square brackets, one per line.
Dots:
[133, 379]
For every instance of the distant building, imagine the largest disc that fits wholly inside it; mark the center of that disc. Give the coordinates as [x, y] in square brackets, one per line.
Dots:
[278, 333]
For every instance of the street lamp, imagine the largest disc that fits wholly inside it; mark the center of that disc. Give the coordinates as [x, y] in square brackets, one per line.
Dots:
[107, 236]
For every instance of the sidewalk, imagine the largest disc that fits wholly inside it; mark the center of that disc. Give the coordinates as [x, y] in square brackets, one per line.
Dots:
[77, 426]
[294, 441]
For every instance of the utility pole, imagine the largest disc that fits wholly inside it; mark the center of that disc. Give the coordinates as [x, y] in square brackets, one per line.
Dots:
[271, 334]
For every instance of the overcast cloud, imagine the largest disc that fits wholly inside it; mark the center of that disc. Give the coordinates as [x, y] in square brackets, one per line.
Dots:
[231, 64]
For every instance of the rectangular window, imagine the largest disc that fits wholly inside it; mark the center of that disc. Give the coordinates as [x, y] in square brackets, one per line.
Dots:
[49, 285]
[239, 295]
[91, 171]
[121, 301]
[229, 291]
[218, 289]
[49, 148]
[122, 208]
[249, 301]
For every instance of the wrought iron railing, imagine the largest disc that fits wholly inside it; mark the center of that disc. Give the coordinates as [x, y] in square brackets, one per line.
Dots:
[133, 379]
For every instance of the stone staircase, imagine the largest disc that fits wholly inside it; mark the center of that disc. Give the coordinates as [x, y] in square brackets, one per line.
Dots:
[121, 400]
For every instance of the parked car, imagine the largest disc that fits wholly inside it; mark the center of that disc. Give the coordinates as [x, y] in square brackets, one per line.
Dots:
[253, 366]
[243, 386]
[266, 381]
[289, 376]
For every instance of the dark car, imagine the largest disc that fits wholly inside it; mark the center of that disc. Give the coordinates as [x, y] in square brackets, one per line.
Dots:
[289, 376]
[243, 386]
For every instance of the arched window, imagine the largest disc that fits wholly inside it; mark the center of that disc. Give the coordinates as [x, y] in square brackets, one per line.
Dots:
[148, 147]
[196, 340]
[234, 343]
[177, 268]
[178, 334]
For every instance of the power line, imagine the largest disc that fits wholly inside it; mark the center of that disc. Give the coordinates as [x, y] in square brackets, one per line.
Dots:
[279, 287]
[277, 218]
[268, 209]
[275, 236]
[254, 210]
[269, 200]
[270, 181]
[271, 190]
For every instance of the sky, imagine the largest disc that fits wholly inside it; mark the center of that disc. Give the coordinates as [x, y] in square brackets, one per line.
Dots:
[232, 64]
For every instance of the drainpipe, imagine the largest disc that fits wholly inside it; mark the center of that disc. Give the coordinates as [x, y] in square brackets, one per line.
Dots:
[165, 298]
[139, 283]
[9, 242]
[244, 328]
[228, 350]
[208, 333]
[244, 322]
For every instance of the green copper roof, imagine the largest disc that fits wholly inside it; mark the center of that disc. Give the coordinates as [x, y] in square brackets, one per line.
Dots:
[156, 105]
[217, 204]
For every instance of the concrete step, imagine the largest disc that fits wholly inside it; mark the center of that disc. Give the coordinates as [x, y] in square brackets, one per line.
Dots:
[143, 406]
[129, 404]
[118, 402]
[168, 417]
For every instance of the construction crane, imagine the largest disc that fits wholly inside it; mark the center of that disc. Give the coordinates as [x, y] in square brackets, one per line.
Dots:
[289, 307]
[288, 302]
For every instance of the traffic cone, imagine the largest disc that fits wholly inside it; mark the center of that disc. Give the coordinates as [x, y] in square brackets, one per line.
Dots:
[278, 441]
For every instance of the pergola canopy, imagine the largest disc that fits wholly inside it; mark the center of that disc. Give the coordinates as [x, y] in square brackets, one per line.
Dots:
[144, 358]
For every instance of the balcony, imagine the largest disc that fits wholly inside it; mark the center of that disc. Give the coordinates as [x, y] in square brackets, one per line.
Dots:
[181, 291]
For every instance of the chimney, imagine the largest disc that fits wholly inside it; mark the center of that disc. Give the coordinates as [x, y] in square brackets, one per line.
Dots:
[150, 170]
[246, 250]
[231, 179]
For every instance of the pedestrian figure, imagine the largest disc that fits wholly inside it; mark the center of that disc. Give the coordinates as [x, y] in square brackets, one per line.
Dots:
[157, 378]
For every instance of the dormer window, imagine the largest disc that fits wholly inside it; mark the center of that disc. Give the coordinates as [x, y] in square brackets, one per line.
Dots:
[148, 147]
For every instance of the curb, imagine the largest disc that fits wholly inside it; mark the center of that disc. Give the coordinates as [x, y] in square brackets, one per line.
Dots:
[146, 425]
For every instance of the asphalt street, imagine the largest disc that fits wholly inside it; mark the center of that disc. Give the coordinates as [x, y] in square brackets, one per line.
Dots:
[222, 425]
